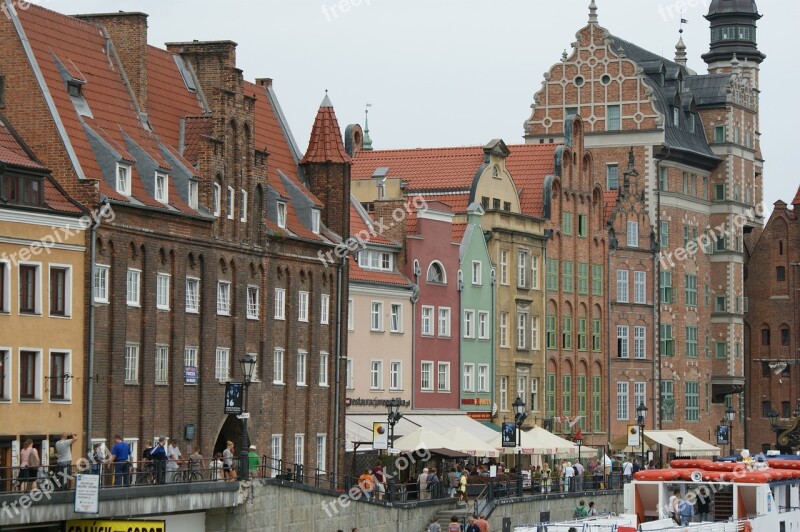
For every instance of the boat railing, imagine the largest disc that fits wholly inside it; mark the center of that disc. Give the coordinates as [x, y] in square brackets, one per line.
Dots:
[613, 523]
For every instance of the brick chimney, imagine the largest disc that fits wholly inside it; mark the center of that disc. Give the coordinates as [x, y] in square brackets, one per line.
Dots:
[214, 64]
[128, 33]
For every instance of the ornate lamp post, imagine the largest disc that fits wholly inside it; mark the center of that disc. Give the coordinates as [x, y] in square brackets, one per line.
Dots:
[680, 442]
[519, 418]
[579, 443]
[248, 367]
[773, 424]
[393, 406]
[641, 410]
[730, 415]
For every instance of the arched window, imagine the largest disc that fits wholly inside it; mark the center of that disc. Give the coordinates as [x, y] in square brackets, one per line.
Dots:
[436, 273]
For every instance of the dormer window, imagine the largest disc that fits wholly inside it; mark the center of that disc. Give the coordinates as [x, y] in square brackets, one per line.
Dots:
[692, 122]
[676, 116]
[74, 89]
[19, 190]
[194, 194]
[315, 221]
[282, 214]
[376, 260]
[124, 179]
[162, 184]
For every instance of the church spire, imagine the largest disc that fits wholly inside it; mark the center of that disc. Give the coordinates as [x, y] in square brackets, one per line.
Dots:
[593, 13]
[367, 145]
[680, 52]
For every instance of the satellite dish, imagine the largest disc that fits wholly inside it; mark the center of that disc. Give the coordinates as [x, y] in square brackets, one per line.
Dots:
[697, 476]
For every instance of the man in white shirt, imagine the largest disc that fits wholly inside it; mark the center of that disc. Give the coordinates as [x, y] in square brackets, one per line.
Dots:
[173, 459]
[627, 470]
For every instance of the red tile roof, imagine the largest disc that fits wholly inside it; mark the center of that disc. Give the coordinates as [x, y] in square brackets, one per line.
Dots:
[457, 202]
[325, 144]
[610, 200]
[423, 168]
[529, 165]
[360, 226]
[458, 232]
[369, 276]
[197, 128]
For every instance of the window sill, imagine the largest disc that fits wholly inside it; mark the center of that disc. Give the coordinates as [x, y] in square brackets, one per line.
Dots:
[280, 318]
[162, 309]
[131, 383]
[136, 305]
[162, 383]
[223, 313]
[396, 333]
[324, 385]
[278, 383]
[252, 318]
[30, 400]
[302, 385]
[64, 401]
[31, 314]
[192, 311]
[61, 317]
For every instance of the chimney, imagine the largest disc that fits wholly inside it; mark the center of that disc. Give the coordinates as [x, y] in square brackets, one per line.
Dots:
[128, 33]
[214, 63]
[264, 82]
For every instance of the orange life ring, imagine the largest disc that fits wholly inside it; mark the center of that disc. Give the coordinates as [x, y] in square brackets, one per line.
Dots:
[683, 463]
[724, 466]
[784, 464]
[754, 477]
[657, 474]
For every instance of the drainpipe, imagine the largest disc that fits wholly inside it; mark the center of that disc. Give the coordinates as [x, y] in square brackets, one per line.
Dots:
[90, 390]
[663, 154]
[337, 400]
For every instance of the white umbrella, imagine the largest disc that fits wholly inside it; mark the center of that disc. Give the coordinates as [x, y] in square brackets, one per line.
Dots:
[539, 441]
[460, 440]
[421, 438]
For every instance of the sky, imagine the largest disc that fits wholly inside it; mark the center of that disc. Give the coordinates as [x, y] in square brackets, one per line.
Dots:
[452, 72]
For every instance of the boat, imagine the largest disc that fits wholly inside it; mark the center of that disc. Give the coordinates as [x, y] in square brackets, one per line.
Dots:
[749, 495]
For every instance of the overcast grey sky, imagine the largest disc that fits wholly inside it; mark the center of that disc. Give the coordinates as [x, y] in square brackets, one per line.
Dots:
[453, 72]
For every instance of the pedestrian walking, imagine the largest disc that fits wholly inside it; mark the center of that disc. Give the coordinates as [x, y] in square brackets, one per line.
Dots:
[64, 459]
[454, 526]
[28, 466]
[158, 457]
[686, 510]
[471, 526]
[579, 471]
[435, 526]
[121, 458]
[592, 511]
[173, 459]
[253, 461]
[227, 463]
[483, 524]
[422, 480]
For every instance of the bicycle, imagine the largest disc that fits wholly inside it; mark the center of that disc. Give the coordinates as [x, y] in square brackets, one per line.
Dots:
[144, 475]
[189, 471]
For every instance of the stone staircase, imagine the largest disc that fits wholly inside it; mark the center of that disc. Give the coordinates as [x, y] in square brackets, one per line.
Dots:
[458, 510]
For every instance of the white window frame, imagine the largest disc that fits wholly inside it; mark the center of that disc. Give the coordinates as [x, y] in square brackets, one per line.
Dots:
[483, 378]
[348, 367]
[477, 273]
[443, 368]
[522, 330]
[534, 405]
[623, 333]
[302, 367]
[503, 394]
[281, 214]
[278, 359]
[123, 179]
[190, 354]
[243, 194]
[469, 378]
[231, 202]
[351, 319]
[623, 401]
[67, 290]
[396, 318]
[522, 268]
[483, 325]
[426, 320]
[639, 342]
[67, 371]
[503, 329]
[469, 323]
[426, 376]
[632, 236]
[222, 372]
[302, 306]
[217, 200]
[299, 448]
[133, 288]
[5, 303]
[622, 287]
[444, 322]
[223, 298]
[503, 270]
[640, 288]
[534, 333]
[535, 272]
[131, 370]
[276, 449]
[37, 375]
[280, 303]
[100, 283]
[193, 295]
[324, 309]
[316, 221]
[162, 364]
[639, 394]
[253, 303]
[322, 452]
[376, 375]
[376, 316]
[194, 194]
[162, 291]
[395, 375]
[324, 358]
[162, 187]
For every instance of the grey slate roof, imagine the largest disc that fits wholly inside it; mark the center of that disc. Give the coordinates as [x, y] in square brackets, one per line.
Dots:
[710, 89]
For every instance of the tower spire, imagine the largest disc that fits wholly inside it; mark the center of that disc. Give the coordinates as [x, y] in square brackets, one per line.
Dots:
[593, 13]
[680, 48]
[367, 140]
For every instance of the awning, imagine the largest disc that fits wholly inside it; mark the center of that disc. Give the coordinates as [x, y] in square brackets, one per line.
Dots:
[691, 445]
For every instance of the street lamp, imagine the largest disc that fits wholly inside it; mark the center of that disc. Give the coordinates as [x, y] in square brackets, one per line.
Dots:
[680, 442]
[730, 415]
[393, 406]
[248, 367]
[579, 443]
[773, 424]
[641, 410]
[519, 418]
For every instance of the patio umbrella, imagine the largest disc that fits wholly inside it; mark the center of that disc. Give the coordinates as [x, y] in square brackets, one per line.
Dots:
[460, 440]
[541, 442]
[421, 438]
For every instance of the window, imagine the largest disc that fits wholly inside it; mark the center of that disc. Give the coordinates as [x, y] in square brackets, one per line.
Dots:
[522, 325]
[469, 377]
[534, 404]
[597, 279]
[5, 375]
[281, 213]
[666, 288]
[622, 402]
[376, 375]
[596, 399]
[162, 364]
[685, 235]
[535, 272]
[566, 332]
[131, 364]
[633, 234]
[302, 306]
[436, 274]
[426, 377]
[583, 228]
[395, 375]
[323, 368]
[581, 334]
[349, 374]
[596, 335]
[483, 325]
[566, 394]
[124, 179]
[613, 118]
[396, 325]
[351, 318]
[280, 304]
[566, 224]
[719, 192]
[100, 283]
[324, 309]
[469, 324]
[194, 194]
[230, 203]
[719, 134]
[483, 378]
[784, 336]
[666, 342]
[552, 275]
[667, 401]
[522, 269]
[622, 286]
[721, 304]
[477, 278]
[551, 333]
[780, 273]
[691, 290]
[639, 394]
[222, 366]
[162, 183]
[321, 452]
[664, 237]
[30, 375]
[299, 448]
[134, 288]
[223, 298]
[612, 176]
[253, 303]
[622, 341]
[162, 291]
[277, 365]
[427, 320]
[376, 260]
[243, 217]
[276, 448]
[692, 401]
[190, 357]
[315, 221]
[640, 288]
[444, 322]
[58, 383]
[443, 376]
[217, 199]
[503, 262]
[663, 178]
[583, 278]
[721, 350]
[60, 279]
[691, 342]
[639, 342]
[503, 326]
[503, 394]
[567, 273]
[4, 289]
[535, 332]
[550, 395]
[302, 366]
